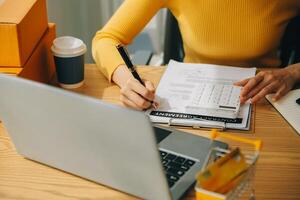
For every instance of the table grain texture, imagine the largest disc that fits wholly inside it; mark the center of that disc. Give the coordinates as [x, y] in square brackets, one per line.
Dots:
[277, 172]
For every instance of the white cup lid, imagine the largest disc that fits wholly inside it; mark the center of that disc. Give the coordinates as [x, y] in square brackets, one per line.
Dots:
[68, 46]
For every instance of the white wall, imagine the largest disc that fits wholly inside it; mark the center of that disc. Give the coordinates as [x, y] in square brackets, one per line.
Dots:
[82, 18]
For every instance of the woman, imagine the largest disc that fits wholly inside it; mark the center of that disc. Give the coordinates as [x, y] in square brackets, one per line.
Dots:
[243, 33]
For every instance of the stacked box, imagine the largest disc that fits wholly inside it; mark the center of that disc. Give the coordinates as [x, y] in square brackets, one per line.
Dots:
[26, 39]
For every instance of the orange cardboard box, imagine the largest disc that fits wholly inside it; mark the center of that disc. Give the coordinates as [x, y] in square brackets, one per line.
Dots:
[22, 25]
[40, 65]
[11, 70]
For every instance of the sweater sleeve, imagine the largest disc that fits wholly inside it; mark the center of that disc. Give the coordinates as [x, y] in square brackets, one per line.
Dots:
[125, 24]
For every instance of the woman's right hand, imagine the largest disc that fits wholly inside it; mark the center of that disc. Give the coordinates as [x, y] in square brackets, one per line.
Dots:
[133, 93]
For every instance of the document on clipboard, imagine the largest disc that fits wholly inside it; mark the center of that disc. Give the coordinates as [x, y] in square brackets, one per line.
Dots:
[202, 95]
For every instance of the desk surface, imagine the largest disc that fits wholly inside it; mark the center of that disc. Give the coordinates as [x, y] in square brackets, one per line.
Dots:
[277, 175]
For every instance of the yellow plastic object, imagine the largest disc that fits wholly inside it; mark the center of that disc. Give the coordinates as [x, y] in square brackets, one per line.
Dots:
[257, 143]
[223, 174]
[202, 194]
[10, 70]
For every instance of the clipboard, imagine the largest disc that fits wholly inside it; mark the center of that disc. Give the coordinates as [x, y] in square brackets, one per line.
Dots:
[186, 85]
[184, 120]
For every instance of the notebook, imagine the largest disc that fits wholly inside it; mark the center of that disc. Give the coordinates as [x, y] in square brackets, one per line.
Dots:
[202, 95]
[288, 108]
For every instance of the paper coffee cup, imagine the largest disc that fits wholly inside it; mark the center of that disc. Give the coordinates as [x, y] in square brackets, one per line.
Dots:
[69, 60]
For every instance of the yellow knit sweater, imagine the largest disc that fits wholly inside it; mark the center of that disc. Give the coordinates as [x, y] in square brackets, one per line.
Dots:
[229, 32]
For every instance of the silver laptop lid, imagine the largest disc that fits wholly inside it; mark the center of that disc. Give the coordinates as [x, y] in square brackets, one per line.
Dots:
[84, 136]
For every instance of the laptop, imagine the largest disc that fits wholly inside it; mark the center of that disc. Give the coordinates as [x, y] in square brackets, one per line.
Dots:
[105, 143]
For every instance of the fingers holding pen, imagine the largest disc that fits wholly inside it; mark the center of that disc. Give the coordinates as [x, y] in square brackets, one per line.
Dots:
[133, 89]
[147, 91]
[128, 103]
[149, 85]
[135, 95]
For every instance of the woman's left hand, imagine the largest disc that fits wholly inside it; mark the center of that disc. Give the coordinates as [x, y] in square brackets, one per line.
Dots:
[279, 82]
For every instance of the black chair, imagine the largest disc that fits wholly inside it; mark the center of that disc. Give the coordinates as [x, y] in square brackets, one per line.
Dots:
[289, 50]
[173, 48]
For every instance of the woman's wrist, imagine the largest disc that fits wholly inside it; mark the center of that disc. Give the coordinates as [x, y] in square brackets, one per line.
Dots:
[121, 75]
[295, 72]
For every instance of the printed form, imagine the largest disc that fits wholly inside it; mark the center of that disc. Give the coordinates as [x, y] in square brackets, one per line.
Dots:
[202, 94]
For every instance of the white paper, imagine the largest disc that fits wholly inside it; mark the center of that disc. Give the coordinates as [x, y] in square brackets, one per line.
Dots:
[288, 108]
[180, 80]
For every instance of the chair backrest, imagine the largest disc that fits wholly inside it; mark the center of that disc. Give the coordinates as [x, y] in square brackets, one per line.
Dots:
[289, 49]
[173, 42]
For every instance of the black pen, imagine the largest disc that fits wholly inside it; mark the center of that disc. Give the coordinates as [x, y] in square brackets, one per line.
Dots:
[129, 64]
[131, 67]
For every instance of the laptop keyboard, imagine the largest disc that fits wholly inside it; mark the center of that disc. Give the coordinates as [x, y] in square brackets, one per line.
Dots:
[175, 166]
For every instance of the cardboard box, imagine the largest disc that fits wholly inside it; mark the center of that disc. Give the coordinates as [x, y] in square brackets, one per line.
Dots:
[10, 70]
[40, 66]
[22, 25]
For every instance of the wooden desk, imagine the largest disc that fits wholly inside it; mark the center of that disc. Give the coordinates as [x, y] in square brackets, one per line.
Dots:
[278, 170]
